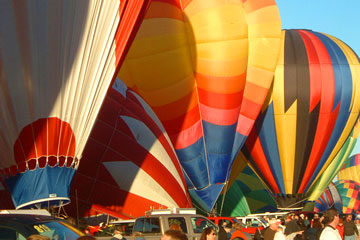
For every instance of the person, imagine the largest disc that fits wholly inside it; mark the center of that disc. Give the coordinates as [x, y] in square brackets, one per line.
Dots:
[279, 235]
[340, 228]
[331, 220]
[315, 218]
[314, 231]
[174, 235]
[222, 235]
[175, 226]
[208, 234]
[292, 225]
[37, 237]
[269, 233]
[229, 230]
[117, 235]
[259, 234]
[350, 228]
[238, 234]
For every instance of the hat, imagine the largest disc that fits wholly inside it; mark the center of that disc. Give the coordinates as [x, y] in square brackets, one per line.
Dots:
[274, 220]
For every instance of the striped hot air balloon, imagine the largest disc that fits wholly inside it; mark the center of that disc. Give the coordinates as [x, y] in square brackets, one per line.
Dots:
[129, 164]
[312, 109]
[205, 68]
[57, 61]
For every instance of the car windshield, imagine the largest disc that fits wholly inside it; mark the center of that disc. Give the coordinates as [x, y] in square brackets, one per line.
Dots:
[56, 231]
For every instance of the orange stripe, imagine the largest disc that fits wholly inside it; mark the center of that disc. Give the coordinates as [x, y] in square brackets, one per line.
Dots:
[221, 101]
[164, 10]
[230, 84]
[255, 92]
[187, 137]
[176, 108]
[253, 5]
[182, 122]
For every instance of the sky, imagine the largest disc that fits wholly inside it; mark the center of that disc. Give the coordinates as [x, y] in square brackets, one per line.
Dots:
[340, 19]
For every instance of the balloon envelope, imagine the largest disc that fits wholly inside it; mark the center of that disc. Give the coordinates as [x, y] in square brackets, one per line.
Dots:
[129, 165]
[313, 106]
[57, 61]
[205, 68]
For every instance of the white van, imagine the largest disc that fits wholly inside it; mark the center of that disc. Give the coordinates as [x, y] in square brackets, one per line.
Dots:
[156, 222]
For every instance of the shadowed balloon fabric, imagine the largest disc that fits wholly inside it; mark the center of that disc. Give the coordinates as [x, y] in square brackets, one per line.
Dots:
[129, 164]
[57, 61]
[205, 68]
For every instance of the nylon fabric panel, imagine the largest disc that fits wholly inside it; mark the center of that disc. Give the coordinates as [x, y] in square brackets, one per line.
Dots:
[192, 70]
[342, 76]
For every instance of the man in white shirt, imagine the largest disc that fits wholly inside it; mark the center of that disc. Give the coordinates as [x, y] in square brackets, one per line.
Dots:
[331, 220]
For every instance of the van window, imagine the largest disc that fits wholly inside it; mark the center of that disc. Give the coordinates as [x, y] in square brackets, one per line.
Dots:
[147, 225]
[177, 222]
[200, 223]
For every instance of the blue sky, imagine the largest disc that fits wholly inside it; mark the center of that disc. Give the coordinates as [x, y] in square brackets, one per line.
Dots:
[340, 19]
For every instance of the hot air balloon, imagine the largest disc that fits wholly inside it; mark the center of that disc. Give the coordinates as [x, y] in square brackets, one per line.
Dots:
[205, 68]
[245, 196]
[350, 168]
[349, 192]
[330, 198]
[5, 198]
[129, 164]
[312, 109]
[57, 61]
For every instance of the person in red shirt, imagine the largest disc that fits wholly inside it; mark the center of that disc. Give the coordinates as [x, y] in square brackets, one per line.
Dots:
[238, 233]
[340, 228]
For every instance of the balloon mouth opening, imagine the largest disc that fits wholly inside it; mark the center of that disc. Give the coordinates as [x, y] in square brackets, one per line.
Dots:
[53, 202]
[290, 201]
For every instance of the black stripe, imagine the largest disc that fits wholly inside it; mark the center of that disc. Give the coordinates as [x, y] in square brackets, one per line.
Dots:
[297, 86]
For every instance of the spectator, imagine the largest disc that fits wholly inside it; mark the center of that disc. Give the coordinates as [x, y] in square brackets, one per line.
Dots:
[117, 235]
[259, 233]
[174, 235]
[331, 220]
[269, 233]
[350, 228]
[238, 233]
[340, 228]
[222, 233]
[208, 234]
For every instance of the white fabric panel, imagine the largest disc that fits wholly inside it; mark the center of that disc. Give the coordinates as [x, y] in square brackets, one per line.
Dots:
[133, 179]
[57, 60]
[149, 141]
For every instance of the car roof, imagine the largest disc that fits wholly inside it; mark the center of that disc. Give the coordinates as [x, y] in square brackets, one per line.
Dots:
[26, 218]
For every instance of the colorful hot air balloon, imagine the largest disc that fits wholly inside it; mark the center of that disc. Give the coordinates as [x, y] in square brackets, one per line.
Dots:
[205, 68]
[129, 164]
[349, 192]
[245, 196]
[313, 106]
[334, 167]
[56, 63]
[330, 198]
[350, 170]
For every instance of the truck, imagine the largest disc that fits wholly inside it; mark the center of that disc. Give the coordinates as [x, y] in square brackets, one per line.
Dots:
[157, 221]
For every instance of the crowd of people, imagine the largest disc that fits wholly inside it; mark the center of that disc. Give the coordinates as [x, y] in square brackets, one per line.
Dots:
[299, 227]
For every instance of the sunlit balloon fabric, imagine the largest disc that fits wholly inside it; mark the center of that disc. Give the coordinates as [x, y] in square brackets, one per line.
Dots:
[351, 169]
[57, 61]
[129, 164]
[349, 192]
[205, 68]
[311, 111]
